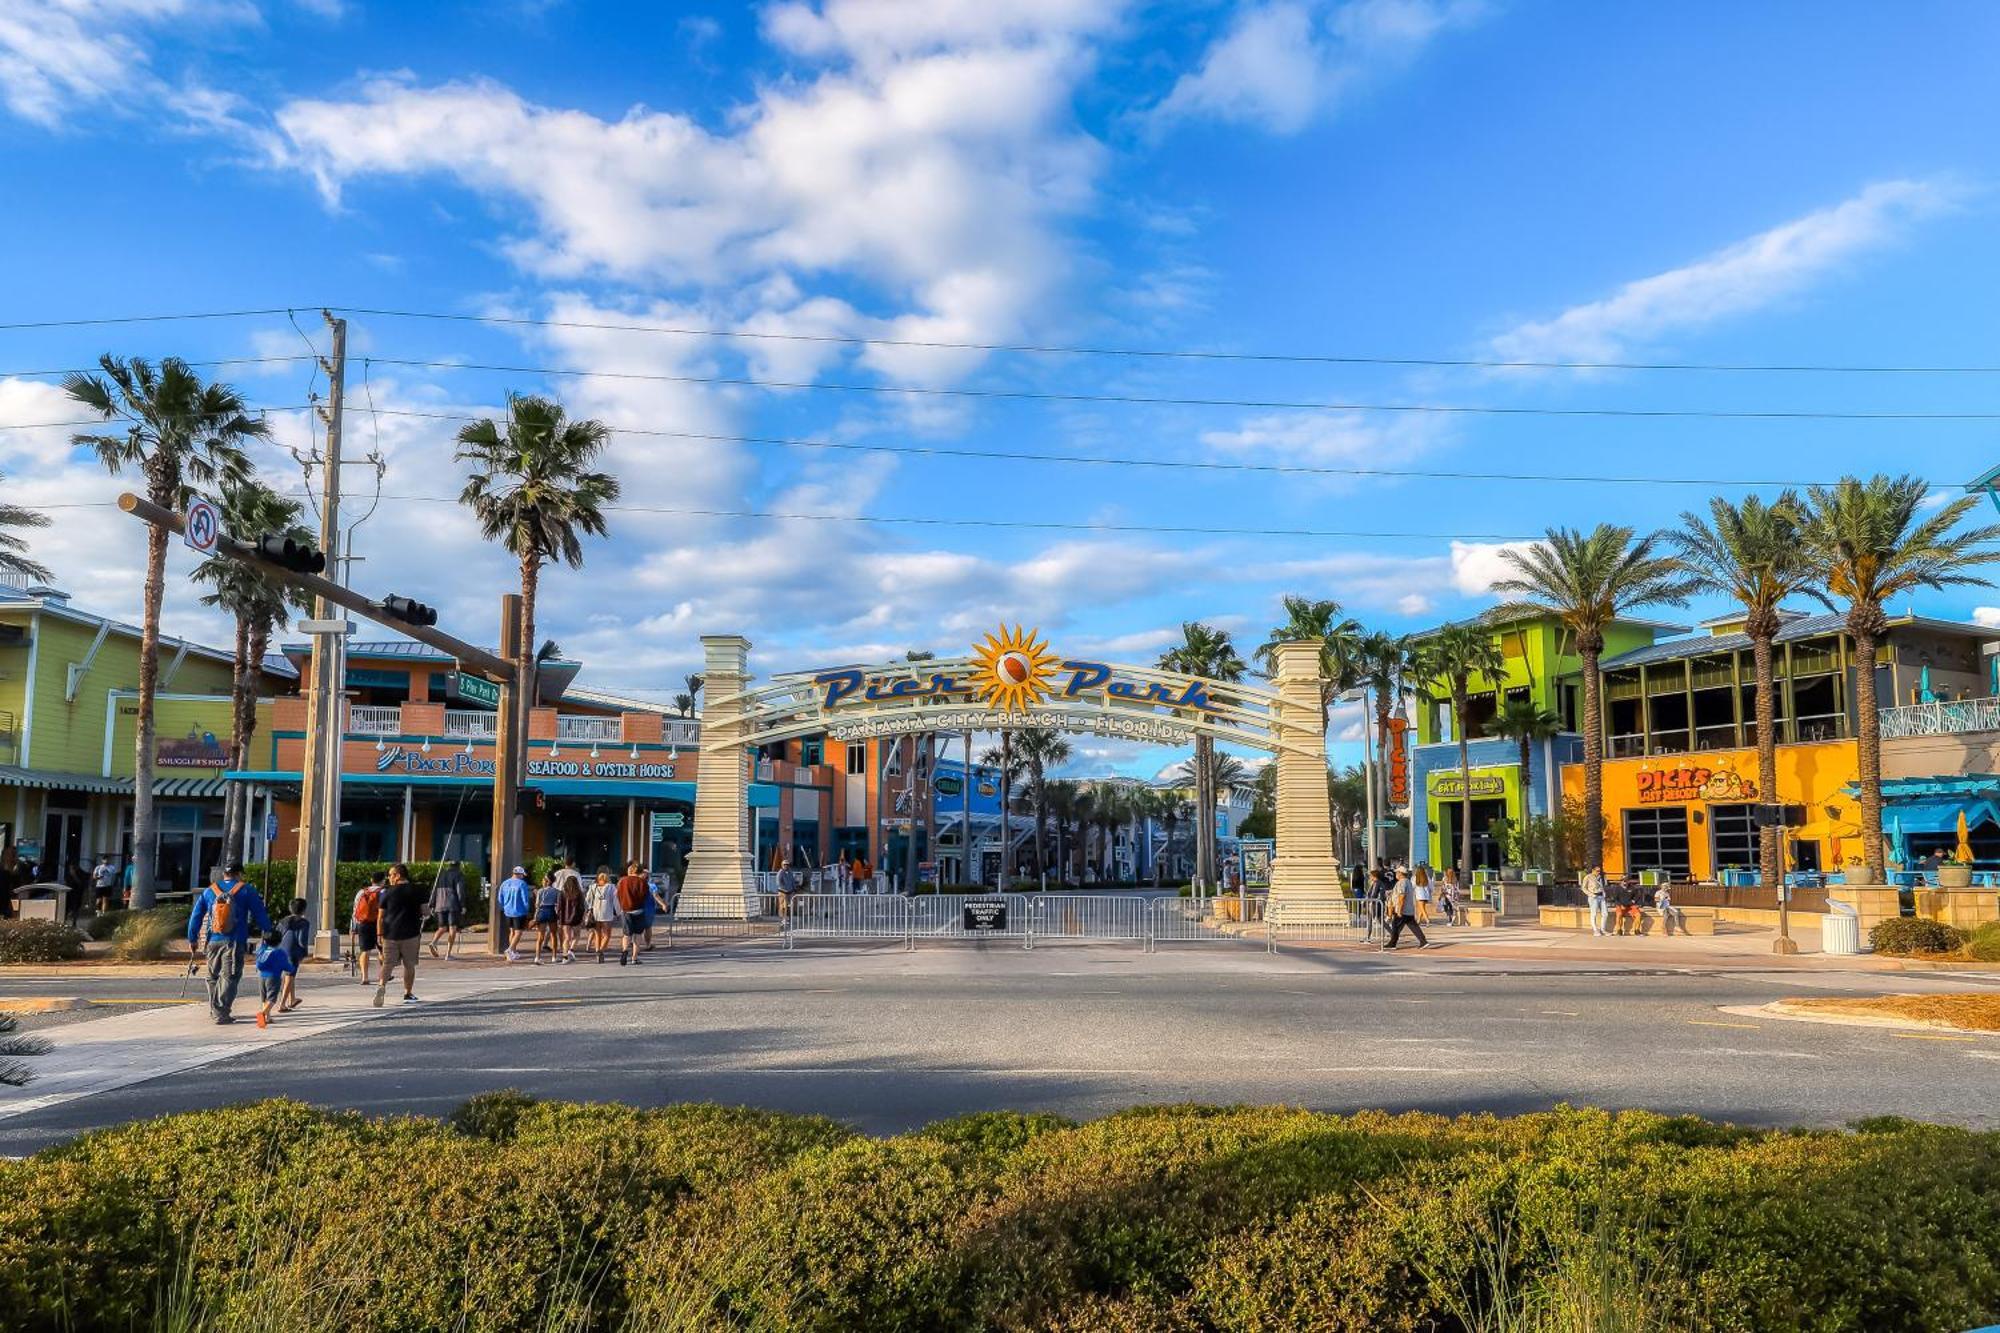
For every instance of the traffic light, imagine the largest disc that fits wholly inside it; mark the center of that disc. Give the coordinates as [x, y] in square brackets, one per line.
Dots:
[289, 553]
[410, 611]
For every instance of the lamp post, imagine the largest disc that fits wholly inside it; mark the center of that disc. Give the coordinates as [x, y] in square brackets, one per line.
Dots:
[1360, 695]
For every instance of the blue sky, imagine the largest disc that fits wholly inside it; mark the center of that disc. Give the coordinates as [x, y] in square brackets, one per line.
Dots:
[1803, 184]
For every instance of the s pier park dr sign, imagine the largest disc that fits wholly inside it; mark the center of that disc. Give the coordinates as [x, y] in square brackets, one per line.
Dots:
[1012, 682]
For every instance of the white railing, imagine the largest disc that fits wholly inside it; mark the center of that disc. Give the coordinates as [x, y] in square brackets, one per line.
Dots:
[469, 723]
[374, 720]
[1327, 920]
[579, 728]
[1941, 719]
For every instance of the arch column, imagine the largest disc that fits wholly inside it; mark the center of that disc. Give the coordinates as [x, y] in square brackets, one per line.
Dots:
[1303, 864]
[718, 866]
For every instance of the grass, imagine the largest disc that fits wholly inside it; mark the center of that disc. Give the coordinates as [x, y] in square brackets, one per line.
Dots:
[1974, 1011]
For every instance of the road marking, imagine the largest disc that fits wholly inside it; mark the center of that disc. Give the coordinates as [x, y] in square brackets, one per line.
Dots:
[558, 1001]
[1984, 1055]
[172, 999]
[1711, 1023]
[1566, 1013]
[1927, 1036]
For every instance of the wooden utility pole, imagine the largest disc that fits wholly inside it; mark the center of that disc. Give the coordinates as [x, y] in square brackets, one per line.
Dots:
[510, 728]
[319, 797]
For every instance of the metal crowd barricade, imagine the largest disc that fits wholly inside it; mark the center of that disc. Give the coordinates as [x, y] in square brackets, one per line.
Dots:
[1327, 920]
[846, 916]
[1184, 921]
[720, 916]
[941, 916]
[1090, 916]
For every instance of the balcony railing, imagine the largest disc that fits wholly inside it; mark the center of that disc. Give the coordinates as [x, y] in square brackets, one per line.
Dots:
[374, 720]
[570, 728]
[1941, 719]
[470, 723]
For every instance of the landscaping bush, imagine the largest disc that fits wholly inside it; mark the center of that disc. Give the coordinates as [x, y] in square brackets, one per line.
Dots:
[1984, 943]
[1905, 936]
[519, 1214]
[104, 925]
[277, 881]
[145, 937]
[39, 942]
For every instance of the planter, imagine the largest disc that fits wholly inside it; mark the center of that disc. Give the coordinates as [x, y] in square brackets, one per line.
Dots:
[1512, 873]
[1952, 875]
[1226, 909]
[1859, 875]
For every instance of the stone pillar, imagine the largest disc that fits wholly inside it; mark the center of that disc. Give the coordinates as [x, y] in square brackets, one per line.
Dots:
[719, 872]
[1303, 866]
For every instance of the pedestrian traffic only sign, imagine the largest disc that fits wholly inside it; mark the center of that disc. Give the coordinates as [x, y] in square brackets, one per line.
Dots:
[204, 526]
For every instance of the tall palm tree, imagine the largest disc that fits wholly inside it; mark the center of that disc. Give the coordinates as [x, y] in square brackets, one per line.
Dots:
[1867, 545]
[693, 682]
[1524, 721]
[1109, 809]
[1383, 662]
[181, 435]
[1040, 750]
[1348, 794]
[1454, 655]
[261, 606]
[533, 491]
[684, 704]
[1586, 580]
[1204, 651]
[1010, 766]
[1751, 551]
[1340, 640]
[14, 519]
[1065, 797]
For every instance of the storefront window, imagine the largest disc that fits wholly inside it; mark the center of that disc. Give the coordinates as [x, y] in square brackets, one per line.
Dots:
[805, 839]
[812, 752]
[1657, 840]
[857, 758]
[190, 844]
[1735, 838]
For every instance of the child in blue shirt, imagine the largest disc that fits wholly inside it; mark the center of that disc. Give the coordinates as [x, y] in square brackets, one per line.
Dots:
[274, 966]
[297, 931]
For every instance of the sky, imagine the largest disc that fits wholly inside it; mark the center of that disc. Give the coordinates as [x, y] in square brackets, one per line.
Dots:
[864, 209]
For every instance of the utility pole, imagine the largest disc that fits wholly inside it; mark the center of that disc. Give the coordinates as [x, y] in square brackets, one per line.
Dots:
[510, 732]
[319, 800]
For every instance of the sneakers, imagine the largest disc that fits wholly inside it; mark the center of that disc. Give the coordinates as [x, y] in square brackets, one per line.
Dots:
[434, 948]
[513, 957]
[410, 999]
[636, 960]
[220, 1019]
[381, 994]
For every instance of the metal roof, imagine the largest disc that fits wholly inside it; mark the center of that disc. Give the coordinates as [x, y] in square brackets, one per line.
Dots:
[1802, 627]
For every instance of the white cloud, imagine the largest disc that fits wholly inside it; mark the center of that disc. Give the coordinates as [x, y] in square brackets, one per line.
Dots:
[1282, 63]
[1988, 616]
[1363, 580]
[58, 54]
[1331, 439]
[1739, 279]
[1477, 566]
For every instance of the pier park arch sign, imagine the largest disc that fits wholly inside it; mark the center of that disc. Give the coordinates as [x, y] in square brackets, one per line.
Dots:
[1012, 681]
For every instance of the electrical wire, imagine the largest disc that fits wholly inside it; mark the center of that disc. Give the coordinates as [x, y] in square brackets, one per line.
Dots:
[98, 370]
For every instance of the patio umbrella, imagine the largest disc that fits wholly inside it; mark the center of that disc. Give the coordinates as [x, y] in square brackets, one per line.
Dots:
[1964, 841]
[1897, 851]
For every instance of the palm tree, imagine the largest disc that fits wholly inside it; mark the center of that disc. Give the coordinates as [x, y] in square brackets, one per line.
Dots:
[261, 606]
[532, 491]
[1383, 662]
[1108, 809]
[1348, 795]
[1525, 722]
[180, 435]
[1204, 651]
[1752, 552]
[1454, 655]
[1065, 797]
[684, 704]
[1340, 641]
[1586, 580]
[1867, 546]
[1003, 758]
[1040, 750]
[693, 681]
[14, 547]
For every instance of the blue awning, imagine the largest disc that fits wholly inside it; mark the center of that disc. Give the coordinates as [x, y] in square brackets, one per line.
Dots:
[1938, 816]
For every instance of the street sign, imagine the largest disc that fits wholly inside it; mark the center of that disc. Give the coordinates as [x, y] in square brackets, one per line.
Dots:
[985, 915]
[270, 830]
[335, 627]
[1388, 823]
[667, 819]
[203, 526]
[478, 691]
[948, 786]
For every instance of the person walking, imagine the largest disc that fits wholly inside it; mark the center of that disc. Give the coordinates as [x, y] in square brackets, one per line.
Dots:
[448, 906]
[572, 914]
[275, 966]
[297, 932]
[603, 896]
[517, 905]
[104, 883]
[365, 919]
[659, 898]
[633, 895]
[218, 929]
[403, 905]
[1421, 880]
[1594, 894]
[1403, 912]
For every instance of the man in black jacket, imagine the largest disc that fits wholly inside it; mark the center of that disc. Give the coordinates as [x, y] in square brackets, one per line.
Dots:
[448, 906]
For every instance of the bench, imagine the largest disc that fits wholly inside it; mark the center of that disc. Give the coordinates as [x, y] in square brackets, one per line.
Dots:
[1694, 920]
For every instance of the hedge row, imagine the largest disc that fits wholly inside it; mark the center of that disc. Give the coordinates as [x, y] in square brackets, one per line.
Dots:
[278, 881]
[39, 942]
[527, 1215]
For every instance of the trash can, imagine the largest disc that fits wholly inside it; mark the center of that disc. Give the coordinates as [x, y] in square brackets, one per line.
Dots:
[1840, 932]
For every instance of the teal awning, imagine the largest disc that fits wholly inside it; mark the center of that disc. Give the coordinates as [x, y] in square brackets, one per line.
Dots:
[1938, 816]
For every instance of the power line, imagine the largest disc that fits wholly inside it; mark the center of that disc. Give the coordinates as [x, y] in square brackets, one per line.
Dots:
[99, 370]
[146, 319]
[1199, 465]
[1185, 354]
[116, 420]
[1264, 404]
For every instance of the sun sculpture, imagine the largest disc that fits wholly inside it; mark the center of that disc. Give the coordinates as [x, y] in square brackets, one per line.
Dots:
[1014, 668]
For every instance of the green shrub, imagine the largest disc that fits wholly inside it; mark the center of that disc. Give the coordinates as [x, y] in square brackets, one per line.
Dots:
[1904, 936]
[1984, 943]
[39, 942]
[104, 925]
[145, 937]
[277, 881]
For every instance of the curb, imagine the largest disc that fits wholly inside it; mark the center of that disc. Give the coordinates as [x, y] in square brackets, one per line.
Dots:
[40, 1004]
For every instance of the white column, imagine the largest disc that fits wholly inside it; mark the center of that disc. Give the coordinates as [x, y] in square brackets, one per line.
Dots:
[1303, 865]
[719, 866]
[407, 841]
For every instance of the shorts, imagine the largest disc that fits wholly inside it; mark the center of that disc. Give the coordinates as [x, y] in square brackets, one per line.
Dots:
[516, 922]
[400, 953]
[272, 987]
[635, 924]
[365, 938]
[544, 917]
[451, 918]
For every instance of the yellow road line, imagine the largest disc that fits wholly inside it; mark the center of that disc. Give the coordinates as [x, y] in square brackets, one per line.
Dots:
[1711, 1023]
[1928, 1036]
[171, 999]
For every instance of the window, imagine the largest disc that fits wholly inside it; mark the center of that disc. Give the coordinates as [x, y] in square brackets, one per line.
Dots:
[1734, 839]
[857, 757]
[812, 751]
[1657, 839]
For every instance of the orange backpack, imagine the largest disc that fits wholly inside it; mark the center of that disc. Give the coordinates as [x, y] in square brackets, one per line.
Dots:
[367, 905]
[222, 909]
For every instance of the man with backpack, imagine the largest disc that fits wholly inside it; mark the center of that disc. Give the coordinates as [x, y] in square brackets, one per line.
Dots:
[367, 918]
[633, 894]
[219, 927]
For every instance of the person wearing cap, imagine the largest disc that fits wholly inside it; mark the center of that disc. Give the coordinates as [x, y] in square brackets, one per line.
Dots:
[517, 902]
[219, 928]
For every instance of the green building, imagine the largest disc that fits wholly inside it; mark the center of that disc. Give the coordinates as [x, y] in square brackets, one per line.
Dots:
[68, 718]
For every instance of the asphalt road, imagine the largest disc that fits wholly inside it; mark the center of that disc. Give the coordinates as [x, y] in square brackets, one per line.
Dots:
[888, 1040]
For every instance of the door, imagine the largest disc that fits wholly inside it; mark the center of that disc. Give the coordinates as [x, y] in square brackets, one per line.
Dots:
[1657, 839]
[1485, 847]
[62, 843]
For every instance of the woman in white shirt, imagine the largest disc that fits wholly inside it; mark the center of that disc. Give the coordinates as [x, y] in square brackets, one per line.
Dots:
[602, 900]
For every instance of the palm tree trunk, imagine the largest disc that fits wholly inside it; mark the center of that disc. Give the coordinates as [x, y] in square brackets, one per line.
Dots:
[1527, 771]
[1766, 706]
[1461, 707]
[1041, 814]
[1204, 829]
[233, 795]
[1593, 761]
[1870, 738]
[144, 831]
[1006, 810]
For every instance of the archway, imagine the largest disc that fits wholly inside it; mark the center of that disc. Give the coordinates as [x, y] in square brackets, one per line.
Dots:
[1011, 681]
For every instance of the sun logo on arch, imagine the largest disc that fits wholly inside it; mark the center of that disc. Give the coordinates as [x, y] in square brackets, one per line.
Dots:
[1014, 668]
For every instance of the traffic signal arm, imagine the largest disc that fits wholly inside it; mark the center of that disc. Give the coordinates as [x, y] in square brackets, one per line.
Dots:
[475, 660]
